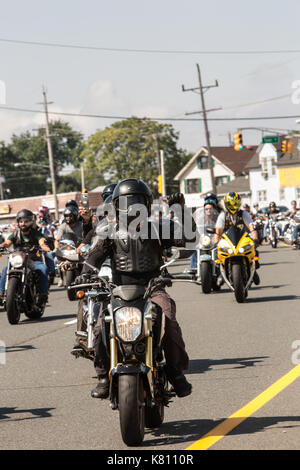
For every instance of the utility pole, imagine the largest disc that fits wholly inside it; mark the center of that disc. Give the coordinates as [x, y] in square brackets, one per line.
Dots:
[50, 154]
[82, 177]
[204, 111]
[162, 163]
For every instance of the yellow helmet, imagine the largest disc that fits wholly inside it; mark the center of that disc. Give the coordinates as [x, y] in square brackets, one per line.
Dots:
[232, 202]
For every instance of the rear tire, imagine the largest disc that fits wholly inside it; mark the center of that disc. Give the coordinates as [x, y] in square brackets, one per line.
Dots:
[206, 277]
[238, 283]
[131, 409]
[12, 307]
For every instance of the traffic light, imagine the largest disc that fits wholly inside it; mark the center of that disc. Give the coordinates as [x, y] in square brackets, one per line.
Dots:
[284, 146]
[160, 189]
[290, 147]
[238, 141]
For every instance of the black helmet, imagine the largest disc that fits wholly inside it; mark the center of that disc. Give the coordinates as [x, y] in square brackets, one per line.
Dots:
[135, 191]
[108, 190]
[211, 196]
[272, 204]
[210, 201]
[72, 212]
[105, 208]
[27, 215]
[71, 202]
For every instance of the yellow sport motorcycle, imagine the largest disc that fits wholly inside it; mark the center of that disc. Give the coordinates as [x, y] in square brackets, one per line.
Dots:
[236, 258]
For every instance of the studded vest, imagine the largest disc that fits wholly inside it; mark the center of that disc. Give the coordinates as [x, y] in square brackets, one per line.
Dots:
[235, 220]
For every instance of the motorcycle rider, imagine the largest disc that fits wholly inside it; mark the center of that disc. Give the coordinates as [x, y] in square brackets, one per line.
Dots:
[296, 228]
[211, 211]
[135, 260]
[47, 229]
[27, 235]
[272, 212]
[91, 238]
[234, 216]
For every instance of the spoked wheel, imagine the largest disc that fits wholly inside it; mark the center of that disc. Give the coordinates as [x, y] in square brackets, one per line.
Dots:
[131, 409]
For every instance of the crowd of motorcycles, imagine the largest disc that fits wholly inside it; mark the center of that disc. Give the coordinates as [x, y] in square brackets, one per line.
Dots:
[132, 329]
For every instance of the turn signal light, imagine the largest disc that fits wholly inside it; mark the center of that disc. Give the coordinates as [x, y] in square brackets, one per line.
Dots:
[256, 258]
[80, 294]
[217, 261]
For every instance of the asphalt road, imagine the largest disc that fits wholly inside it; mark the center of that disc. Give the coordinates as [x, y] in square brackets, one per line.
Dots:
[237, 351]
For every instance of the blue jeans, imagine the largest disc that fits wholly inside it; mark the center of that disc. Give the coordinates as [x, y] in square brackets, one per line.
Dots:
[43, 277]
[50, 262]
[294, 234]
[278, 226]
[193, 262]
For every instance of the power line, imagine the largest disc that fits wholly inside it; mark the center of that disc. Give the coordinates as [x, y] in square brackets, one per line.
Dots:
[99, 116]
[149, 51]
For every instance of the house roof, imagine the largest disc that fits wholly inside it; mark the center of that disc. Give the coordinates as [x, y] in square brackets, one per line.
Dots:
[235, 161]
[288, 159]
[240, 185]
[10, 207]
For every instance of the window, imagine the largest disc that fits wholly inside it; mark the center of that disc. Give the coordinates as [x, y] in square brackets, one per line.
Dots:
[262, 195]
[297, 193]
[273, 167]
[264, 165]
[202, 162]
[282, 194]
[192, 186]
[219, 180]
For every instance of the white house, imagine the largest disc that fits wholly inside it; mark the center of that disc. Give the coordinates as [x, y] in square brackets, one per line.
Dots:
[194, 178]
[274, 176]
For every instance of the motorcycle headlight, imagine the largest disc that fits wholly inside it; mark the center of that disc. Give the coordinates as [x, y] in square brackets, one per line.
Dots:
[128, 323]
[205, 241]
[16, 261]
[224, 246]
[245, 248]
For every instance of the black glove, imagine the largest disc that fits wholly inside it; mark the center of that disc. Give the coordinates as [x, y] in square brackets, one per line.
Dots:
[177, 198]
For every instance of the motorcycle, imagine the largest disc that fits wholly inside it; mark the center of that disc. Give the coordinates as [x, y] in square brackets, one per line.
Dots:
[132, 329]
[21, 285]
[70, 269]
[207, 270]
[258, 223]
[236, 258]
[294, 222]
[273, 234]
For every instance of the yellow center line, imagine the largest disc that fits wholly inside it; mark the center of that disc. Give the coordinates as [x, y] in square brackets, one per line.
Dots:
[238, 417]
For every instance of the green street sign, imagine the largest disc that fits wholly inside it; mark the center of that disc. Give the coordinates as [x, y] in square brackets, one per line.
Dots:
[270, 139]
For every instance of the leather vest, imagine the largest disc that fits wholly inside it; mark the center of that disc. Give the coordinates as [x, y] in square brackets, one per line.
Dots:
[234, 220]
[136, 255]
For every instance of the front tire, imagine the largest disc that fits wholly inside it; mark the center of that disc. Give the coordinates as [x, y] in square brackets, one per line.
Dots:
[206, 277]
[12, 307]
[69, 277]
[131, 409]
[238, 283]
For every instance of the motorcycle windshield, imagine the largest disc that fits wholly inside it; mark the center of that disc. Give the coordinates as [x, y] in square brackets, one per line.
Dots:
[205, 218]
[235, 234]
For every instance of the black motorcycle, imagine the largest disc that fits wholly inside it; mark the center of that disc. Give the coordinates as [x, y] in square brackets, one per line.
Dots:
[21, 285]
[132, 333]
[71, 268]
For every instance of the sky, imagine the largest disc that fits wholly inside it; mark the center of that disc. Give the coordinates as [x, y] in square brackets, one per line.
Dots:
[122, 78]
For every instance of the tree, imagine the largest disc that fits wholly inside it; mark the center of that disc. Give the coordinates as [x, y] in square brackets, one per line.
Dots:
[31, 176]
[130, 149]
